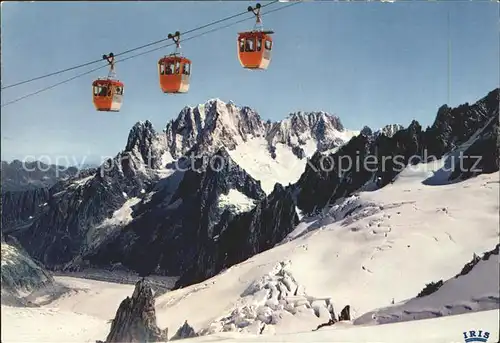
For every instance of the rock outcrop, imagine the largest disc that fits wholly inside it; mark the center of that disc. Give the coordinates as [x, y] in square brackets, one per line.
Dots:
[21, 275]
[135, 319]
[482, 156]
[185, 331]
[345, 314]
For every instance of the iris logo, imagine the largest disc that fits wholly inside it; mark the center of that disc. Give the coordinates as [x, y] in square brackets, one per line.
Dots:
[476, 336]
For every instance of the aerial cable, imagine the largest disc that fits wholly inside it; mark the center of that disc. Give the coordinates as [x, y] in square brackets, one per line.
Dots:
[131, 50]
[52, 86]
[206, 32]
[143, 53]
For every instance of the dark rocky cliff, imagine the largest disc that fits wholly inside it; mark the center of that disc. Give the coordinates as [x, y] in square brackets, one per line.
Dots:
[135, 319]
[328, 178]
[77, 205]
[171, 228]
[20, 207]
[243, 236]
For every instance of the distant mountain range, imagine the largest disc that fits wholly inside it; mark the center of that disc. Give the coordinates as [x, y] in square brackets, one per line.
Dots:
[24, 175]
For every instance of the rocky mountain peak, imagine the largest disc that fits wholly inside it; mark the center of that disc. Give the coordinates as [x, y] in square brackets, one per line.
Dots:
[146, 145]
[206, 127]
[314, 117]
[185, 331]
[139, 133]
[300, 128]
[301, 121]
[389, 130]
[135, 319]
[453, 125]
[366, 131]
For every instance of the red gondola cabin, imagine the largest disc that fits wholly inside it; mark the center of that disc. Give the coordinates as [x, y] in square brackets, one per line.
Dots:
[107, 95]
[174, 72]
[254, 49]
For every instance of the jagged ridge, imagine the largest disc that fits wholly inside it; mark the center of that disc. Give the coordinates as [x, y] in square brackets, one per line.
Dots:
[327, 179]
[205, 128]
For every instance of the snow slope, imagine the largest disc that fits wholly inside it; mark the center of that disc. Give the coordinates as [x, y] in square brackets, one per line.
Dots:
[439, 330]
[286, 167]
[407, 232]
[478, 290]
[52, 325]
[365, 251]
[120, 218]
[80, 313]
[90, 297]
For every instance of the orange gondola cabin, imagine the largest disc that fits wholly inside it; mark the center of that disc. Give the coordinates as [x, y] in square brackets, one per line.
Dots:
[174, 71]
[107, 95]
[254, 49]
[108, 92]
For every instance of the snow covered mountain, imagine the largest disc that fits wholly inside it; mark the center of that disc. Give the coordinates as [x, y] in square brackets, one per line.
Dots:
[389, 130]
[270, 152]
[144, 210]
[215, 124]
[82, 212]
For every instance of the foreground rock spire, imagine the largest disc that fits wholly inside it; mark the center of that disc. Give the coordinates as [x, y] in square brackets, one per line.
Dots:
[135, 319]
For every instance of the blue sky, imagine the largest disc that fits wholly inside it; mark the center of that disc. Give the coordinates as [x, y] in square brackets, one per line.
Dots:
[369, 63]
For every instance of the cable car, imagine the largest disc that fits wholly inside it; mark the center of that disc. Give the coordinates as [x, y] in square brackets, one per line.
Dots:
[108, 92]
[174, 70]
[254, 47]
